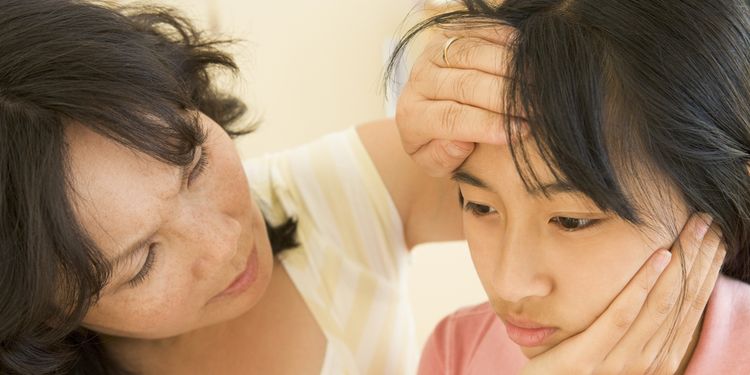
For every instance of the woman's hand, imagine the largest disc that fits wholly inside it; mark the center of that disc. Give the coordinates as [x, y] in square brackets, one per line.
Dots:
[452, 102]
[644, 330]
[442, 111]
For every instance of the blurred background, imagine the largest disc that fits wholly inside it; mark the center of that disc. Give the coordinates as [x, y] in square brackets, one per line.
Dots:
[308, 68]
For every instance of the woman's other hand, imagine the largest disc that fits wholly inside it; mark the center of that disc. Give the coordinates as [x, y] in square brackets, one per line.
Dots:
[644, 330]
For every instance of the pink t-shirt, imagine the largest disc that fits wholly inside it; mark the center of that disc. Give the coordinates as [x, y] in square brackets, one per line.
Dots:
[473, 341]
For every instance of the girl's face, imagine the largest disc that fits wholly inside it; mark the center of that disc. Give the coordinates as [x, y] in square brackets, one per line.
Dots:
[550, 265]
[186, 253]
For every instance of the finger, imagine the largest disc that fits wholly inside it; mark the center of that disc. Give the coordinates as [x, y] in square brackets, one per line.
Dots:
[669, 342]
[502, 35]
[690, 324]
[470, 53]
[651, 326]
[440, 157]
[598, 340]
[423, 120]
[697, 264]
[700, 271]
[470, 87]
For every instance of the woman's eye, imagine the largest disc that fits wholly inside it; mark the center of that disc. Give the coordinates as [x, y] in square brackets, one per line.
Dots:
[477, 209]
[200, 166]
[147, 265]
[571, 224]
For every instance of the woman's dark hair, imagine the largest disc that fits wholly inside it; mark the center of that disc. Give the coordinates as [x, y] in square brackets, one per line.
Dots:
[130, 74]
[619, 94]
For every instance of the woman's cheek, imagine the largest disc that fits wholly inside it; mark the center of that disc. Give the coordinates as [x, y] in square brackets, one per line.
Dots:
[161, 308]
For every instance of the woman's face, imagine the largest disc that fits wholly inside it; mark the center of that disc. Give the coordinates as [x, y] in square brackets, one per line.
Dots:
[550, 265]
[186, 253]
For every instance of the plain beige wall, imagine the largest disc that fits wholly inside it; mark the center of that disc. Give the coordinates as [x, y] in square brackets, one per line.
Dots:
[313, 67]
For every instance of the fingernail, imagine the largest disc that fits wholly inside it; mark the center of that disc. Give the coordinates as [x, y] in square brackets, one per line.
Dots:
[662, 260]
[455, 150]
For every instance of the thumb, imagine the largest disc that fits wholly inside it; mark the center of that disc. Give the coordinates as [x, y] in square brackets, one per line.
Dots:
[458, 150]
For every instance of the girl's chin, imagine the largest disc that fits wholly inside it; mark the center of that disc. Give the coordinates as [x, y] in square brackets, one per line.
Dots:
[530, 353]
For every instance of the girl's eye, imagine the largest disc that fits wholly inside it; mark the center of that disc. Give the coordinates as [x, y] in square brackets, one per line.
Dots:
[147, 265]
[571, 224]
[477, 209]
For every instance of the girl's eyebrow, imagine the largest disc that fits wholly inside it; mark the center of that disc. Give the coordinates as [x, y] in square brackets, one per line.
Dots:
[557, 187]
[463, 176]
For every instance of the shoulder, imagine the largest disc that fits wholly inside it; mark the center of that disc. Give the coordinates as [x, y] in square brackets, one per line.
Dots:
[343, 209]
[465, 327]
[308, 177]
[468, 341]
[725, 333]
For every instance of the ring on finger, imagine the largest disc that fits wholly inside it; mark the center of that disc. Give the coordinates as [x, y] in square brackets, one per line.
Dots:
[446, 46]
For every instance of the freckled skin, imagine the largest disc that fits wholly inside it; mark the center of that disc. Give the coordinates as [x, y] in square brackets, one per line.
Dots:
[205, 234]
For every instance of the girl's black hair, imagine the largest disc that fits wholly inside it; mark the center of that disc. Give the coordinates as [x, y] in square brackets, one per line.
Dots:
[631, 102]
[620, 94]
[130, 74]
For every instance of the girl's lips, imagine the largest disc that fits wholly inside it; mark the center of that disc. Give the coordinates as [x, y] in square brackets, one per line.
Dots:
[526, 333]
[244, 279]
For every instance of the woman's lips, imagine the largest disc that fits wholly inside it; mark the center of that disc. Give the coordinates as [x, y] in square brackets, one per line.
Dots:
[527, 333]
[244, 279]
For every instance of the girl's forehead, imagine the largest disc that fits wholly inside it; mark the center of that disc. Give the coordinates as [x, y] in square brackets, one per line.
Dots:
[496, 161]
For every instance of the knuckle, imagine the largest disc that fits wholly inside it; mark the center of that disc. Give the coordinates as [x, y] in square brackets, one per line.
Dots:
[420, 73]
[663, 305]
[699, 302]
[440, 159]
[450, 116]
[471, 82]
[460, 88]
[469, 53]
[460, 50]
[623, 319]
[644, 284]
[497, 88]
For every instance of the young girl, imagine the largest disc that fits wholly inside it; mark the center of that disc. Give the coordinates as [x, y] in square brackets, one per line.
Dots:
[624, 119]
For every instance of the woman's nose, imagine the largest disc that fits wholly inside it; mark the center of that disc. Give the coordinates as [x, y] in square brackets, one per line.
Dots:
[214, 239]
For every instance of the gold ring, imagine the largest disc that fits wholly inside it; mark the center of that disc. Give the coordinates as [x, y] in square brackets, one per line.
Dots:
[447, 45]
